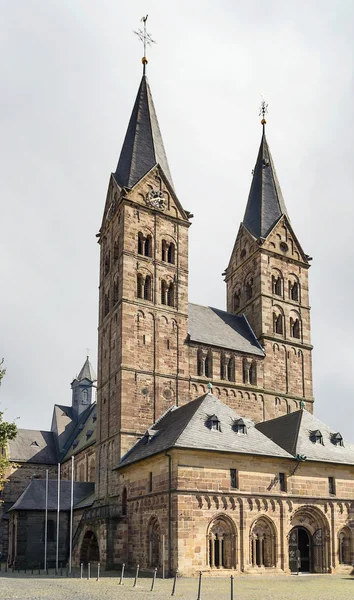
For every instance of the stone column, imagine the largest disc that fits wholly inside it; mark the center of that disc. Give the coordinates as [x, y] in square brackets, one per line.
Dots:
[212, 551]
[254, 551]
[220, 552]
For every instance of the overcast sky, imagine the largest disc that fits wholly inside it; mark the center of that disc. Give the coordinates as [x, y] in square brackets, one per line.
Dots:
[70, 70]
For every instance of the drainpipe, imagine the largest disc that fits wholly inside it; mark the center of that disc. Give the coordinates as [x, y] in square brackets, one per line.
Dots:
[169, 513]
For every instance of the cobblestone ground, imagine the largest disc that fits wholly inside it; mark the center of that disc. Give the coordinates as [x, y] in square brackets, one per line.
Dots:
[317, 587]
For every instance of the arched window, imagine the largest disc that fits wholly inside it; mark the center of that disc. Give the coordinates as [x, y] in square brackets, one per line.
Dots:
[164, 250]
[115, 292]
[106, 303]
[278, 323]
[148, 246]
[253, 373]
[344, 547]
[277, 285]
[222, 366]
[231, 369]
[115, 251]
[92, 472]
[294, 291]
[171, 295]
[107, 263]
[249, 289]
[147, 288]
[154, 543]
[124, 502]
[140, 286]
[208, 366]
[245, 370]
[200, 363]
[237, 300]
[163, 292]
[263, 544]
[140, 243]
[221, 546]
[171, 254]
[295, 328]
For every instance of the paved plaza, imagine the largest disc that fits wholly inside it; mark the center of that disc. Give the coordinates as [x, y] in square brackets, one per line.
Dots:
[319, 587]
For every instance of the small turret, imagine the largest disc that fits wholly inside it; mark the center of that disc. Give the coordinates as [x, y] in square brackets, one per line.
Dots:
[82, 387]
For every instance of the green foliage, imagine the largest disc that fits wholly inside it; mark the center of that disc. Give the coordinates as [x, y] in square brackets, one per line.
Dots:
[8, 431]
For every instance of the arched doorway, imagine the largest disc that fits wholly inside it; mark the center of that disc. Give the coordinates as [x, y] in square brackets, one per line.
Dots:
[90, 551]
[154, 542]
[263, 543]
[300, 550]
[221, 546]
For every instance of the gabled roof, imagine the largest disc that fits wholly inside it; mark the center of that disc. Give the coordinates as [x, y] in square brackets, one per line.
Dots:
[33, 498]
[265, 203]
[33, 446]
[63, 424]
[186, 427]
[80, 438]
[215, 327]
[143, 146]
[87, 371]
[294, 433]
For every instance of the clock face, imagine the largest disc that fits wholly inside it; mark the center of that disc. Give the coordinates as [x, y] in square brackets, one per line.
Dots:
[155, 199]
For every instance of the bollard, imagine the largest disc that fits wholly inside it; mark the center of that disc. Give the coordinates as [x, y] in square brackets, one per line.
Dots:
[61, 569]
[39, 569]
[136, 576]
[232, 587]
[25, 567]
[153, 580]
[47, 571]
[88, 570]
[174, 583]
[98, 572]
[81, 570]
[122, 575]
[200, 586]
[6, 567]
[32, 569]
[67, 569]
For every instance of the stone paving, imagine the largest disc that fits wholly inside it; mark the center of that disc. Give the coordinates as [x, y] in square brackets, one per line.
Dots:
[304, 587]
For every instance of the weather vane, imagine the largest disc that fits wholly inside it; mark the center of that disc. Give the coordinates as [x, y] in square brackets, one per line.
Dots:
[147, 40]
[263, 111]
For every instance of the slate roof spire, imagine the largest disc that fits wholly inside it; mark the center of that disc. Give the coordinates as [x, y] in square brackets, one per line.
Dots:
[265, 203]
[87, 371]
[143, 147]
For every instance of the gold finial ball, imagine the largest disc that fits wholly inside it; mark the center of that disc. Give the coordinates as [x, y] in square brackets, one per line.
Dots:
[144, 60]
[263, 121]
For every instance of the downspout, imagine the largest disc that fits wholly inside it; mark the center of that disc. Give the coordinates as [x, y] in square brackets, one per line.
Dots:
[169, 513]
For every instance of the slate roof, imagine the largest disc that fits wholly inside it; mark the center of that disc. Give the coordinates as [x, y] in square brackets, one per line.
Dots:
[33, 446]
[63, 424]
[80, 437]
[216, 327]
[143, 146]
[87, 372]
[265, 203]
[33, 498]
[293, 433]
[185, 427]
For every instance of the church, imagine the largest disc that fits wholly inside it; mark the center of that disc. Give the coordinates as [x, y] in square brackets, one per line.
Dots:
[203, 446]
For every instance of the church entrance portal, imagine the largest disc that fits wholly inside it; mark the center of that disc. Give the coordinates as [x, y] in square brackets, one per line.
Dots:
[90, 551]
[300, 550]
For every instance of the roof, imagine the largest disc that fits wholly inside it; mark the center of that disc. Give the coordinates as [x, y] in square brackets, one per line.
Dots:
[33, 498]
[185, 427]
[33, 446]
[265, 203]
[63, 424]
[293, 432]
[84, 434]
[216, 327]
[87, 372]
[143, 146]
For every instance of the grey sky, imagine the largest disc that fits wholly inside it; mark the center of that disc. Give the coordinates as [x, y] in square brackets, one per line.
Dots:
[70, 70]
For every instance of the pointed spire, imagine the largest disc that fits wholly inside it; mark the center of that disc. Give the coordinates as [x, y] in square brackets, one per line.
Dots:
[87, 371]
[265, 203]
[143, 147]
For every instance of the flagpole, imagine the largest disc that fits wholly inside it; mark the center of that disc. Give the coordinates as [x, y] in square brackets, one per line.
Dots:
[71, 515]
[58, 520]
[46, 520]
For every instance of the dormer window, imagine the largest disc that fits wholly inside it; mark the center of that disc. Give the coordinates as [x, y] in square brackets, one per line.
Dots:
[337, 439]
[149, 435]
[75, 443]
[316, 437]
[89, 432]
[213, 423]
[94, 417]
[239, 426]
[35, 444]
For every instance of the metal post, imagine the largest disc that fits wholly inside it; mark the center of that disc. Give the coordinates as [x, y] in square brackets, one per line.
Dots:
[122, 574]
[71, 515]
[174, 583]
[39, 569]
[88, 570]
[163, 557]
[153, 580]
[98, 572]
[61, 569]
[81, 570]
[200, 586]
[67, 569]
[58, 521]
[136, 576]
[46, 521]
[232, 587]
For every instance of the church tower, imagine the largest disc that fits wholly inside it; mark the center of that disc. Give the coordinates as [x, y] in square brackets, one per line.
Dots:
[143, 306]
[267, 280]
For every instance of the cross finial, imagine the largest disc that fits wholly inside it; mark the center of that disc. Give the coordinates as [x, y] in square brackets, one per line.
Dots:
[263, 111]
[147, 40]
[87, 352]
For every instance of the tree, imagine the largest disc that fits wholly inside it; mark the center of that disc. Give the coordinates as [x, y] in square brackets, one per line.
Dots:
[8, 431]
